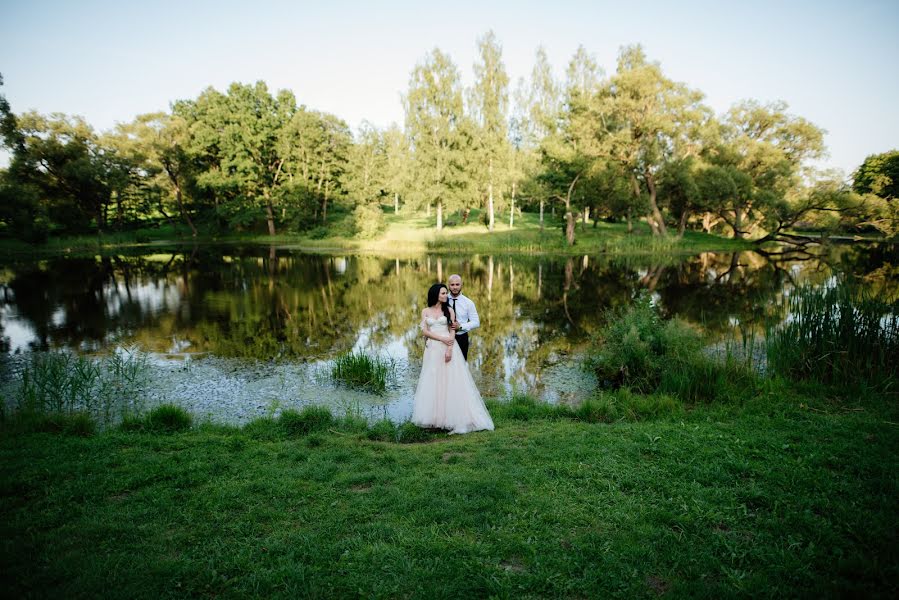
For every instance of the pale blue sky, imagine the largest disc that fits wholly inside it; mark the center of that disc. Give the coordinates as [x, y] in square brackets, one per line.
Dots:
[833, 62]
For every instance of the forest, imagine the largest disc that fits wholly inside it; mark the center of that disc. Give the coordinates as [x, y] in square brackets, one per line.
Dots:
[631, 145]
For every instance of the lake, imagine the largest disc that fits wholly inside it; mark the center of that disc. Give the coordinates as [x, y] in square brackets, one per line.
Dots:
[233, 332]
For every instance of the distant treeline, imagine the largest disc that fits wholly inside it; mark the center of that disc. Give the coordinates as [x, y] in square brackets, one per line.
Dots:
[626, 146]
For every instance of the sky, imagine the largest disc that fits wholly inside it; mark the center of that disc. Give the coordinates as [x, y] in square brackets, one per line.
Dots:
[832, 62]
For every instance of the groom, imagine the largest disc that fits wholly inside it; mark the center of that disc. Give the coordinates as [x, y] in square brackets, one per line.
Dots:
[466, 314]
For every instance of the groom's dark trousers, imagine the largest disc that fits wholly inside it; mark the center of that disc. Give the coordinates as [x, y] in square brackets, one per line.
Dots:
[462, 340]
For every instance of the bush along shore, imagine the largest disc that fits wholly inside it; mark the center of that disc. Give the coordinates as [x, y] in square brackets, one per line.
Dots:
[687, 475]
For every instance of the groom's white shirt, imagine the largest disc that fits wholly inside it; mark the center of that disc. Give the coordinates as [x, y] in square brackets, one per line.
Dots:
[466, 313]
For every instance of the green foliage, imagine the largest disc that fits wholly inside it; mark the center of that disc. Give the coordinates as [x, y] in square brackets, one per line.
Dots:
[878, 175]
[648, 354]
[600, 409]
[382, 431]
[522, 407]
[310, 419]
[63, 383]
[361, 371]
[77, 424]
[168, 418]
[841, 336]
[368, 221]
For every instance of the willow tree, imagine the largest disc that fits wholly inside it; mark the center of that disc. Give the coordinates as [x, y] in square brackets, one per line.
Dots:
[490, 107]
[772, 148]
[434, 118]
[645, 120]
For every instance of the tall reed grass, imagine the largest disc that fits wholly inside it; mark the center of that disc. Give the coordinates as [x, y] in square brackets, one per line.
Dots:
[62, 383]
[360, 371]
[842, 336]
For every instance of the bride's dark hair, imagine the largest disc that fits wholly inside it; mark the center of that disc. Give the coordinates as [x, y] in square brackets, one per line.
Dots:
[434, 298]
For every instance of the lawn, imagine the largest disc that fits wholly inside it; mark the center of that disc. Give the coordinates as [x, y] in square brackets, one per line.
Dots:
[774, 498]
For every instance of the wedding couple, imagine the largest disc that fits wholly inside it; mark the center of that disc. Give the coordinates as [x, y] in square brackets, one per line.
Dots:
[446, 396]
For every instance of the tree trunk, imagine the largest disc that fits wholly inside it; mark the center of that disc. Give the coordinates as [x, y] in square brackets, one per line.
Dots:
[656, 214]
[490, 215]
[429, 210]
[184, 215]
[270, 215]
[512, 211]
[738, 223]
[541, 215]
[119, 211]
[439, 215]
[630, 222]
[570, 220]
[396, 202]
[683, 223]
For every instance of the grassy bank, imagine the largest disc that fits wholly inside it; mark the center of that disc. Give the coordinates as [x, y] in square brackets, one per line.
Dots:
[774, 499]
[413, 234]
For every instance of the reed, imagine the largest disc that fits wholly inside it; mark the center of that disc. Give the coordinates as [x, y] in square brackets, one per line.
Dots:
[360, 371]
[62, 383]
[841, 336]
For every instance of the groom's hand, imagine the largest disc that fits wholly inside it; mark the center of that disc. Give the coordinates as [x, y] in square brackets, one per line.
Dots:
[450, 341]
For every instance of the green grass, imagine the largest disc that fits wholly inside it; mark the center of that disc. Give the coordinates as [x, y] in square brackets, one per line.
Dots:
[413, 234]
[776, 500]
[361, 371]
[839, 336]
[106, 389]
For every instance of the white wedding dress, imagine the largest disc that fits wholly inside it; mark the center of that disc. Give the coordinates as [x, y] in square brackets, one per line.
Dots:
[446, 396]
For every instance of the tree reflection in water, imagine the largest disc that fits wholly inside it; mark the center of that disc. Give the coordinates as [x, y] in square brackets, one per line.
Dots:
[264, 303]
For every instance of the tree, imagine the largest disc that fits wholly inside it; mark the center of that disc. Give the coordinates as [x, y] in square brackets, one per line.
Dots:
[645, 120]
[58, 162]
[396, 164]
[316, 149]
[878, 175]
[235, 137]
[434, 121]
[366, 166]
[156, 144]
[770, 146]
[490, 107]
[536, 116]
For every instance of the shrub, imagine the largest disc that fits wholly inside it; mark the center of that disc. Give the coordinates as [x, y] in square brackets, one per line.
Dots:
[168, 418]
[647, 354]
[368, 221]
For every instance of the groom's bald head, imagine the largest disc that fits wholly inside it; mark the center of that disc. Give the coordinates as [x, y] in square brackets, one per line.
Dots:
[455, 284]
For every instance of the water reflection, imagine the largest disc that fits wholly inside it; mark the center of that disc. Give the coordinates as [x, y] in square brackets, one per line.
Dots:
[265, 303]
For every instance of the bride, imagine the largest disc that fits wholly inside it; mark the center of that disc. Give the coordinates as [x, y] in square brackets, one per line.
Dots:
[446, 396]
